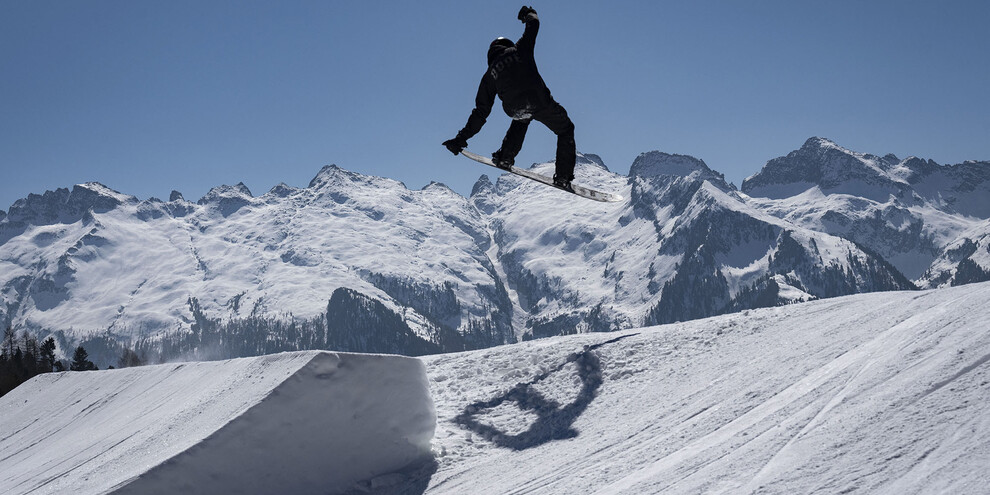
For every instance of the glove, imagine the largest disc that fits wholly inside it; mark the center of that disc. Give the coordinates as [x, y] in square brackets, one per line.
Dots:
[455, 145]
[525, 11]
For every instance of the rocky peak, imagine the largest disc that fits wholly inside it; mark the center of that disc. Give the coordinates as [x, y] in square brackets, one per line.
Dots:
[228, 199]
[484, 185]
[332, 176]
[225, 191]
[591, 159]
[437, 186]
[63, 205]
[659, 164]
[918, 168]
[326, 175]
[282, 190]
[823, 163]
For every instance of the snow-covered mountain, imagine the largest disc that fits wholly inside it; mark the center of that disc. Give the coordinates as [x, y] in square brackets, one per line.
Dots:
[963, 261]
[359, 263]
[93, 262]
[908, 211]
[684, 246]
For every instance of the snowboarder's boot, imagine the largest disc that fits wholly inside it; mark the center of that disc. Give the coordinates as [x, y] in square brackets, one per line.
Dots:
[562, 182]
[504, 163]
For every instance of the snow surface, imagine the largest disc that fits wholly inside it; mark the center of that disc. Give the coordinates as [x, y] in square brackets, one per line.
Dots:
[873, 393]
[302, 422]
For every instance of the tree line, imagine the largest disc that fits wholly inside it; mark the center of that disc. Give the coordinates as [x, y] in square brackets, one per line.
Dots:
[23, 357]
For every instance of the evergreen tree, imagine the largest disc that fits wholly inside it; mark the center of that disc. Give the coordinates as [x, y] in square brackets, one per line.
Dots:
[9, 342]
[80, 361]
[20, 360]
[32, 355]
[48, 355]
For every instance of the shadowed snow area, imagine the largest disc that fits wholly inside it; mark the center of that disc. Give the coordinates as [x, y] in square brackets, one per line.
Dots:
[873, 393]
[301, 422]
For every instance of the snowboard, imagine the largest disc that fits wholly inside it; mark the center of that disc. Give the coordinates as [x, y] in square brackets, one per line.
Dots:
[584, 192]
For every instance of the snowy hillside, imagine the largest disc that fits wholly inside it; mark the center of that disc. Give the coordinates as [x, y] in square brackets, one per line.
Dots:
[305, 422]
[908, 211]
[963, 261]
[872, 393]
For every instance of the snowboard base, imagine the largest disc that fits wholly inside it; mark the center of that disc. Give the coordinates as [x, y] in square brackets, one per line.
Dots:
[584, 192]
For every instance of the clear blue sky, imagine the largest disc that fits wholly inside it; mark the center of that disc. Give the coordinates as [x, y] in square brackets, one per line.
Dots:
[147, 97]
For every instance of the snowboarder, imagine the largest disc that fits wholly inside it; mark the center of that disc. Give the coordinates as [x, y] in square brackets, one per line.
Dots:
[512, 75]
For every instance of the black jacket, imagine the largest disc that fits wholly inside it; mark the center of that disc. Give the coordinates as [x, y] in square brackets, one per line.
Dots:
[512, 75]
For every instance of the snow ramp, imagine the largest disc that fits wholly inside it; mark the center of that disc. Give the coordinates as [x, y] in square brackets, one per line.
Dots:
[300, 422]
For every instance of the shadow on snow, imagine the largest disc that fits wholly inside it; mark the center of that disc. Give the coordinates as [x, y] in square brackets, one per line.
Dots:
[553, 420]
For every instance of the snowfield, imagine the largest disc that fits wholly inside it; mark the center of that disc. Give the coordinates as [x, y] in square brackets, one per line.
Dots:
[873, 393]
[301, 422]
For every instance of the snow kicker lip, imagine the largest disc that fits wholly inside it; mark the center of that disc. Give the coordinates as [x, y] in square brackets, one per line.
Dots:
[301, 422]
[553, 419]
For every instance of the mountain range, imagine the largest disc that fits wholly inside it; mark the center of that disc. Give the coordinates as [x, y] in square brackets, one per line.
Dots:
[361, 263]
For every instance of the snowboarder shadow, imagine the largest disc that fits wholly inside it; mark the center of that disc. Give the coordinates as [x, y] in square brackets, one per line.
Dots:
[553, 420]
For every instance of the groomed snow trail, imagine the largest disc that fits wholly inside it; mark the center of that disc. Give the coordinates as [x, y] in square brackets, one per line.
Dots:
[302, 422]
[874, 393]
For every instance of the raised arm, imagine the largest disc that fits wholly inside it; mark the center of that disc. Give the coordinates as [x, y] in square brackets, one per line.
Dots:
[528, 41]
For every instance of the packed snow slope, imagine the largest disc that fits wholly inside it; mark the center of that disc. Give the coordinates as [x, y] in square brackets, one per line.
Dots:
[872, 393]
[305, 422]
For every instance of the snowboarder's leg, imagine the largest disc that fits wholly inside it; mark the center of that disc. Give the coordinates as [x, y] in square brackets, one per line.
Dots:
[556, 119]
[506, 155]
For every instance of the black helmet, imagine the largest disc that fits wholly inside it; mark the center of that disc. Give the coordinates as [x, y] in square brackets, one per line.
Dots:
[497, 47]
[501, 41]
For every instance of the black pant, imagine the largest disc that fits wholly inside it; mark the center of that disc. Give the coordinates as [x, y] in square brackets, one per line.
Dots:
[555, 118]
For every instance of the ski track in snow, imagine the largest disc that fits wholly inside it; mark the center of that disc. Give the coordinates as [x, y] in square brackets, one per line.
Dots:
[873, 393]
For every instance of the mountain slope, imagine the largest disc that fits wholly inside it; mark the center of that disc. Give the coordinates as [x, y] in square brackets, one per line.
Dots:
[872, 393]
[684, 246]
[907, 211]
[963, 261]
[93, 261]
